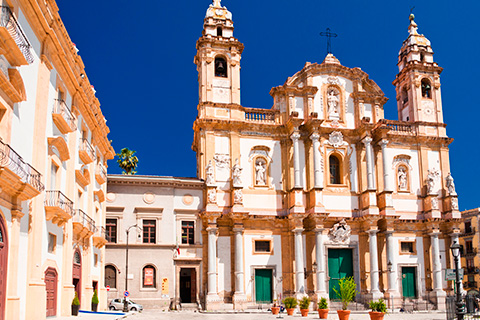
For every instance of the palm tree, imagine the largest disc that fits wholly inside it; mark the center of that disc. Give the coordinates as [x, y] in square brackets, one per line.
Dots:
[127, 161]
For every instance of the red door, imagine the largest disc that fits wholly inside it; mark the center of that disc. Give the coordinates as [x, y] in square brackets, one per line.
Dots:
[77, 273]
[51, 288]
[3, 268]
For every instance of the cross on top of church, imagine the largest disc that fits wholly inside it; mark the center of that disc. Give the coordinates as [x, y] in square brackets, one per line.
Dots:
[329, 36]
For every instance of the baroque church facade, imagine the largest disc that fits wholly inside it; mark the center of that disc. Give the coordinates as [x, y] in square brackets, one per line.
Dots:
[321, 186]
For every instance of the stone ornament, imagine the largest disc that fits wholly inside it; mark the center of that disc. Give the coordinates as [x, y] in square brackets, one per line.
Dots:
[435, 203]
[450, 185]
[237, 174]
[431, 180]
[238, 196]
[111, 197]
[454, 203]
[402, 179]
[260, 172]
[335, 139]
[222, 160]
[187, 199]
[333, 103]
[212, 196]
[148, 198]
[340, 232]
[210, 174]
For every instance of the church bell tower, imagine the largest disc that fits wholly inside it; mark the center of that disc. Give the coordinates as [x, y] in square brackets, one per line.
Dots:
[218, 58]
[418, 81]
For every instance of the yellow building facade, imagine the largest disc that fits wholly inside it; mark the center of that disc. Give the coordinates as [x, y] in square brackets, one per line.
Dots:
[469, 240]
[321, 186]
[53, 153]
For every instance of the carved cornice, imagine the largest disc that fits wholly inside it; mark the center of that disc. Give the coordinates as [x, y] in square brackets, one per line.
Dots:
[173, 182]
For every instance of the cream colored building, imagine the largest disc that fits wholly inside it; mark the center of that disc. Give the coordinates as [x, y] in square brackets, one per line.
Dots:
[53, 152]
[322, 186]
[470, 241]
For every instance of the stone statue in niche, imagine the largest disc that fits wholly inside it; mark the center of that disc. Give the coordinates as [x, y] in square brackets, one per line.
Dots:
[212, 196]
[450, 185]
[210, 179]
[333, 104]
[236, 174]
[402, 179]
[260, 168]
[237, 196]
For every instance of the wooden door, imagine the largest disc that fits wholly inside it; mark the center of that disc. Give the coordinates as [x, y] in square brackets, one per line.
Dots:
[263, 285]
[3, 267]
[51, 290]
[340, 265]
[409, 287]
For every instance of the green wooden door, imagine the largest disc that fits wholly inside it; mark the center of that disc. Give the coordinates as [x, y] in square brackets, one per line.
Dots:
[409, 287]
[340, 265]
[263, 285]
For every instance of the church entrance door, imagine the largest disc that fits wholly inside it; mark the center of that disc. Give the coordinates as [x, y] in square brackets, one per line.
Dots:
[409, 289]
[3, 267]
[340, 265]
[188, 287]
[263, 285]
[51, 290]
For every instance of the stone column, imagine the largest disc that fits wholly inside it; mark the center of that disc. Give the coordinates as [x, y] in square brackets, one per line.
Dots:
[454, 239]
[212, 264]
[437, 266]
[317, 161]
[374, 279]
[239, 273]
[296, 159]
[392, 272]
[387, 182]
[370, 165]
[299, 266]
[320, 257]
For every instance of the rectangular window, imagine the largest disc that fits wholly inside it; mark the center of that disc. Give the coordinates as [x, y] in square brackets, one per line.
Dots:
[149, 227]
[407, 247]
[468, 226]
[111, 230]
[95, 260]
[53, 176]
[52, 242]
[263, 246]
[188, 232]
[469, 246]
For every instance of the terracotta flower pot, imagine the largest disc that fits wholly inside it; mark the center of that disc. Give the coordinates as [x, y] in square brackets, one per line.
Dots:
[343, 314]
[323, 313]
[275, 310]
[304, 312]
[374, 315]
[290, 311]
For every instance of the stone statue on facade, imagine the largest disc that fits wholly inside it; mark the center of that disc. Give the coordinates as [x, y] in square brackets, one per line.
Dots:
[260, 169]
[402, 179]
[450, 185]
[333, 101]
[210, 179]
[237, 196]
[212, 196]
[431, 176]
[236, 174]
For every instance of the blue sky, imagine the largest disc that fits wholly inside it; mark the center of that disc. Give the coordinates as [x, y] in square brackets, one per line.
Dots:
[140, 60]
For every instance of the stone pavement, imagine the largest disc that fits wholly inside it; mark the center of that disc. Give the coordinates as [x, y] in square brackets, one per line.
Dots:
[94, 316]
[185, 315]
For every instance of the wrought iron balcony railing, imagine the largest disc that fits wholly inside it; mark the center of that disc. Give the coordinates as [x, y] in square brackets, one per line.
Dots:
[468, 231]
[470, 252]
[87, 153]
[60, 108]
[81, 217]
[14, 162]
[55, 198]
[8, 21]
[101, 173]
[470, 284]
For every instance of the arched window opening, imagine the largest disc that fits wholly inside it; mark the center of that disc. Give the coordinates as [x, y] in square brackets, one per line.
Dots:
[219, 32]
[404, 95]
[422, 57]
[111, 276]
[426, 89]
[220, 67]
[149, 277]
[334, 170]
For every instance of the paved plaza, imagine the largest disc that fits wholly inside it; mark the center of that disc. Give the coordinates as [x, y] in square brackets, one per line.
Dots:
[151, 315]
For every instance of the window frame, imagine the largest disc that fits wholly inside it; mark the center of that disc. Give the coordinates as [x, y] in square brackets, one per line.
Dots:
[111, 267]
[414, 247]
[147, 228]
[424, 93]
[217, 75]
[108, 229]
[340, 171]
[191, 233]
[254, 247]
[154, 285]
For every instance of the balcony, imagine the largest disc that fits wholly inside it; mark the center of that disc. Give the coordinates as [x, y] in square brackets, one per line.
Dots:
[58, 207]
[18, 178]
[100, 237]
[83, 225]
[100, 173]
[86, 152]
[468, 232]
[82, 176]
[470, 252]
[398, 127]
[470, 284]
[18, 49]
[63, 117]
[259, 115]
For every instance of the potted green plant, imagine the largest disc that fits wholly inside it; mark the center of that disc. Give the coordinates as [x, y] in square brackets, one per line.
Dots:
[347, 290]
[275, 307]
[379, 308]
[323, 308]
[75, 305]
[95, 301]
[304, 305]
[290, 304]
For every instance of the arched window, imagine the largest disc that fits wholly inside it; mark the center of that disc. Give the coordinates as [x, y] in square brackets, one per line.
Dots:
[426, 89]
[219, 32]
[111, 276]
[149, 277]
[405, 95]
[220, 67]
[334, 163]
